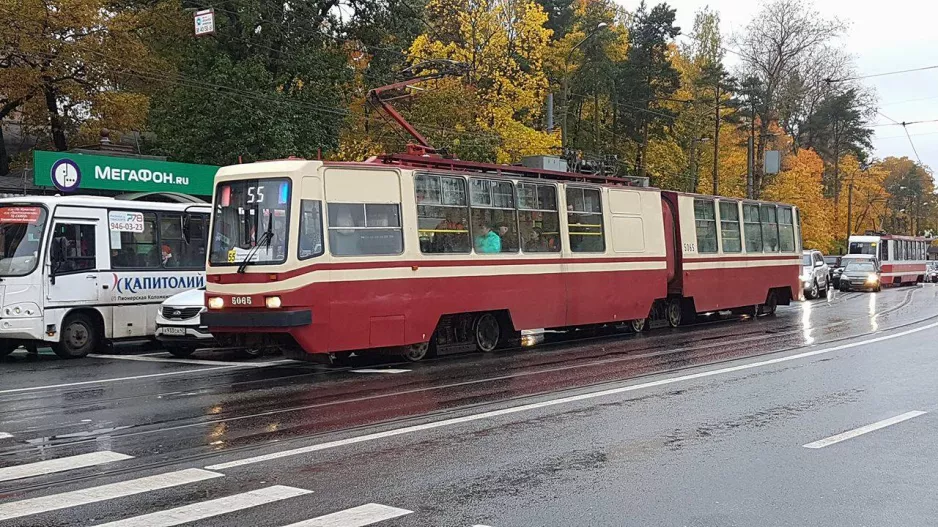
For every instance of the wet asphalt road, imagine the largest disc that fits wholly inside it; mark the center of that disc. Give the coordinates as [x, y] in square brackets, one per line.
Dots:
[673, 427]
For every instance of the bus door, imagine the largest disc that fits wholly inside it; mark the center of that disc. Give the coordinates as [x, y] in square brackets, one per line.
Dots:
[72, 267]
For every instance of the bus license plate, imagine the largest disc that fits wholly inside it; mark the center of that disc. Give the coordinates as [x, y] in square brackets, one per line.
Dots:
[174, 331]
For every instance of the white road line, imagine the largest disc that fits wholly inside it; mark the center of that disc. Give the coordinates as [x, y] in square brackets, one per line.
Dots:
[209, 509]
[849, 434]
[375, 370]
[60, 465]
[54, 502]
[355, 517]
[555, 402]
[199, 362]
[118, 379]
[4, 435]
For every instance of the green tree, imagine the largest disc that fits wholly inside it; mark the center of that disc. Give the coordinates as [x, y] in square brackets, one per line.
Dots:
[647, 78]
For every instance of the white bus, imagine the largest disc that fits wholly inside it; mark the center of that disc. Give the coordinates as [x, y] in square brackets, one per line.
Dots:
[77, 272]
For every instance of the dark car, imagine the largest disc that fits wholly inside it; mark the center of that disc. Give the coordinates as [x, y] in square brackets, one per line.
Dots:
[835, 267]
[860, 275]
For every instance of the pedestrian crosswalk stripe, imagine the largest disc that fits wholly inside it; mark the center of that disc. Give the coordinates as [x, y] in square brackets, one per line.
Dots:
[208, 509]
[60, 465]
[368, 514]
[65, 500]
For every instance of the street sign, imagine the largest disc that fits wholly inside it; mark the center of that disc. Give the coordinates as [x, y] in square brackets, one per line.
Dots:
[71, 172]
[204, 22]
[772, 162]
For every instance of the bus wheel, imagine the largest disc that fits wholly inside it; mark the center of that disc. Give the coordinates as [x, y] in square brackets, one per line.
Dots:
[487, 332]
[180, 351]
[638, 325]
[771, 302]
[418, 352]
[79, 337]
[675, 312]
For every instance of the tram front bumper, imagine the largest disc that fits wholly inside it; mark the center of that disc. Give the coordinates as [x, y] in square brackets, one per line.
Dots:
[257, 319]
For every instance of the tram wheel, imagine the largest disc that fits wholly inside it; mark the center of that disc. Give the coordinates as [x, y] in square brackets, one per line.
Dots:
[674, 312]
[418, 352]
[487, 332]
[638, 325]
[771, 303]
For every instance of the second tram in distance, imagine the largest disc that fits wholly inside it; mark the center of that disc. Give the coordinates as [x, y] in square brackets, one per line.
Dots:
[411, 254]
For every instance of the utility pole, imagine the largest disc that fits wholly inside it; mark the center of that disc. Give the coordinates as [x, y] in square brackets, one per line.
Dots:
[849, 208]
[716, 142]
[750, 158]
[693, 164]
[596, 118]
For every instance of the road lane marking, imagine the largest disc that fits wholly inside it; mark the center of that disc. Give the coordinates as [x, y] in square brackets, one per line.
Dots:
[54, 502]
[211, 508]
[4, 435]
[554, 402]
[376, 370]
[118, 379]
[355, 517]
[199, 362]
[850, 434]
[61, 464]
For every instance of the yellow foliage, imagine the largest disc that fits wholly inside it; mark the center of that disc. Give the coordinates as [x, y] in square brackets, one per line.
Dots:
[799, 183]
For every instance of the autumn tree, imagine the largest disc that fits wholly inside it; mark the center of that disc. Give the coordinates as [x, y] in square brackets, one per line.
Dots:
[63, 65]
[800, 183]
[775, 47]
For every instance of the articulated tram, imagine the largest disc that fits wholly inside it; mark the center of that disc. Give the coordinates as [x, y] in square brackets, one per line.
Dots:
[413, 253]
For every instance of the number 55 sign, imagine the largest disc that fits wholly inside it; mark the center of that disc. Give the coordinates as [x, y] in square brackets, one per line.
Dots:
[204, 22]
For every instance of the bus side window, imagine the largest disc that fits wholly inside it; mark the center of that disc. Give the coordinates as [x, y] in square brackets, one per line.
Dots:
[76, 243]
[138, 250]
[172, 246]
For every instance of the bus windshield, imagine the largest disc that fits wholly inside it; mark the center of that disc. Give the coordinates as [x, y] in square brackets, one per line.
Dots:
[251, 214]
[20, 238]
[862, 248]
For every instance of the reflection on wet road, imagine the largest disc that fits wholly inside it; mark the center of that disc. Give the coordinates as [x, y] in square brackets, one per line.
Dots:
[153, 410]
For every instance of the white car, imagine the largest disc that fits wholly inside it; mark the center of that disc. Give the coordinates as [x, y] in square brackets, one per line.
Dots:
[178, 323]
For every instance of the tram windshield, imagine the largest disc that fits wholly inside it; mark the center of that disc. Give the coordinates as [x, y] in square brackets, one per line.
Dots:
[251, 219]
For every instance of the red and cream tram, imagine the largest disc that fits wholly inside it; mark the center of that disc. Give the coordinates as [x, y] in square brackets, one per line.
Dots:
[902, 258]
[410, 253]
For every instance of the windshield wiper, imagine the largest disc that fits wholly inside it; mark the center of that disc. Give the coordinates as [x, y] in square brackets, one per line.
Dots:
[265, 240]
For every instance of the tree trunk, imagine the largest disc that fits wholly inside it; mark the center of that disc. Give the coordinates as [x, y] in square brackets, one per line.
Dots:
[4, 158]
[55, 120]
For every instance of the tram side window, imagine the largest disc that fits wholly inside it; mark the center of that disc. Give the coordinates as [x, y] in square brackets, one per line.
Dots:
[310, 229]
[753, 228]
[786, 230]
[493, 216]
[729, 227]
[538, 218]
[585, 220]
[769, 218]
[706, 222]
[137, 250]
[358, 229]
[442, 214]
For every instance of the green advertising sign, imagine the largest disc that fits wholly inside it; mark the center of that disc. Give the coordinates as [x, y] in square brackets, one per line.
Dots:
[71, 171]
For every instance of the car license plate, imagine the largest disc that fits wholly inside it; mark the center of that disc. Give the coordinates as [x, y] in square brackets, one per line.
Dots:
[169, 330]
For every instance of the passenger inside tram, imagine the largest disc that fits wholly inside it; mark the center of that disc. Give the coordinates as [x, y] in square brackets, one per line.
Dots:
[488, 240]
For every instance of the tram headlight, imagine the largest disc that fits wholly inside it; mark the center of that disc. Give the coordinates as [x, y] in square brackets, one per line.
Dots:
[273, 302]
[216, 302]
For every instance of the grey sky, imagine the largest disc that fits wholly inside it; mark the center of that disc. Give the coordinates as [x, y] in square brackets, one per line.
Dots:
[882, 37]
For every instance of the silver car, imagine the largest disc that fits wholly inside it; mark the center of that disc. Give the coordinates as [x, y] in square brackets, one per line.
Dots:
[815, 274]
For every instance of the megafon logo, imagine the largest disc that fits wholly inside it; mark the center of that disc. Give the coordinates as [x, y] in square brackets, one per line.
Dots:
[139, 284]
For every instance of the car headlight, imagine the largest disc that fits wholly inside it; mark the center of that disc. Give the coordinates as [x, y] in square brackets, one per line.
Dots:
[216, 302]
[872, 278]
